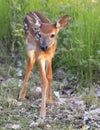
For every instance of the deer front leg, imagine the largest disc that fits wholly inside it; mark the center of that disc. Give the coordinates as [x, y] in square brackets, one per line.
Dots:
[49, 77]
[44, 86]
[30, 64]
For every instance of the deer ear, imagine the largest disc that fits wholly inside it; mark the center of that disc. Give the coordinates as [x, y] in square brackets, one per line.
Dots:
[63, 22]
[34, 20]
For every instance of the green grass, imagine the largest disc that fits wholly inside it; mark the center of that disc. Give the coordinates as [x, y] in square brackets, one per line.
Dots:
[78, 46]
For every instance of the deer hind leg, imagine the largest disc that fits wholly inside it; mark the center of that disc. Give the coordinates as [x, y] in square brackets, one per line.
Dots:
[49, 77]
[30, 64]
[44, 86]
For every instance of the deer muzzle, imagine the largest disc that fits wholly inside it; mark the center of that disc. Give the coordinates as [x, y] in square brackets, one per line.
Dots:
[44, 45]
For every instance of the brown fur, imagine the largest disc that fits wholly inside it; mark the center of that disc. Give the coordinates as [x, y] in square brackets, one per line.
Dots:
[41, 42]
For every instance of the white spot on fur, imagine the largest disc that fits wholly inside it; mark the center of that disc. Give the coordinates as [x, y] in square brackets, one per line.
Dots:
[37, 19]
[25, 24]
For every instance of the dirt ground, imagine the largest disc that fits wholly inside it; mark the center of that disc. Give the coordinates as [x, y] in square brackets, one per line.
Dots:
[73, 108]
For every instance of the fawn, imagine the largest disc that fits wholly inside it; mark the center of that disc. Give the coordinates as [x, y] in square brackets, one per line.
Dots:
[41, 42]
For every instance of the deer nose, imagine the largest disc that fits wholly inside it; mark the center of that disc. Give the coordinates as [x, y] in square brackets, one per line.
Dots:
[44, 47]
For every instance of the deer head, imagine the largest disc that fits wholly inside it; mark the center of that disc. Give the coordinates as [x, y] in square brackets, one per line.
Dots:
[42, 30]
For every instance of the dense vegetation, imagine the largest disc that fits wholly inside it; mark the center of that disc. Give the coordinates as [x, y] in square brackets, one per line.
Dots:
[78, 50]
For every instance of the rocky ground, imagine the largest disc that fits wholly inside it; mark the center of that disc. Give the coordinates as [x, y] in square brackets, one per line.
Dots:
[73, 108]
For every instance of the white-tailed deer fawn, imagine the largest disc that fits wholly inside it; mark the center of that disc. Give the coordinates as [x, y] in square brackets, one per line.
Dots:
[41, 42]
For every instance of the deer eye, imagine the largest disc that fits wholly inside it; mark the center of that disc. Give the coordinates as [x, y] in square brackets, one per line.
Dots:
[52, 35]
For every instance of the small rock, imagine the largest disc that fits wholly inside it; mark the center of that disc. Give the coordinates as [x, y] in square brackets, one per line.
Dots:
[57, 94]
[1, 79]
[61, 100]
[85, 118]
[1, 108]
[79, 102]
[23, 110]
[48, 126]
[33, 124]
[98, 92]
[96, 111]
[38, 89]
[13, 126]
[19, 103]
[19, 64]
[4, 84]
[20, 82]
[19, 73]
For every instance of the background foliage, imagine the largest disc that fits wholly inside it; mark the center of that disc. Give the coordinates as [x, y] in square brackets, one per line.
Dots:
[78, 51]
